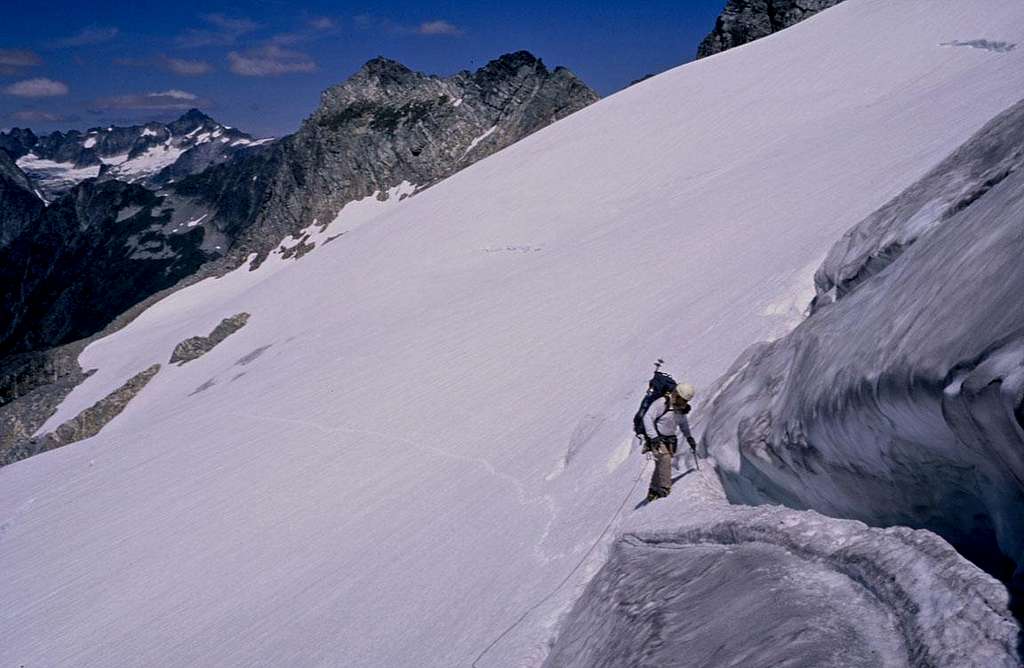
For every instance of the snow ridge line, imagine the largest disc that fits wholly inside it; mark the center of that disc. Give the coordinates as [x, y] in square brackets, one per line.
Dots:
[524, 497]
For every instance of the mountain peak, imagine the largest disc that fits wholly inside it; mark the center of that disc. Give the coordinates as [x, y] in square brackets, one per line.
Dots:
[383, 67]
[194, 116]
[743, 21]
[190, 120]
[510, 62]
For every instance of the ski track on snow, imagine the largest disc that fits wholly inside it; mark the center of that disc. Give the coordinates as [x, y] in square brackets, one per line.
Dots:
[525, 498]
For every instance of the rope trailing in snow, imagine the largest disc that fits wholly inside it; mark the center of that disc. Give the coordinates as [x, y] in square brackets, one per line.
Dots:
[566, 579]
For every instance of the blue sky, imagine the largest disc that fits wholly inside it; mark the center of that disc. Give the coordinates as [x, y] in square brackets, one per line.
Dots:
[260, 66]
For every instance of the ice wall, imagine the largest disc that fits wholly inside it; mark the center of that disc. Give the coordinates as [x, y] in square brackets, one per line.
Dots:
[901, 403]
[767, 586]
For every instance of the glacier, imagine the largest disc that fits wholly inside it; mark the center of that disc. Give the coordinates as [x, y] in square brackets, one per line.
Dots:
[692, 591]
[902, 402]
[417, 450]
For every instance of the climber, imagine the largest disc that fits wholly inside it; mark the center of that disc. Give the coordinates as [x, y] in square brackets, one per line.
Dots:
[664, 416]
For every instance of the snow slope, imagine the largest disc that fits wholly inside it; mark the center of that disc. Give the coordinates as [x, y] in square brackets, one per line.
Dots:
[424, 427]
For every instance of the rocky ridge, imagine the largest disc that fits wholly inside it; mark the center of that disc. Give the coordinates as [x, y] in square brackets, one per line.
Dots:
[744, 21]
[384, 126]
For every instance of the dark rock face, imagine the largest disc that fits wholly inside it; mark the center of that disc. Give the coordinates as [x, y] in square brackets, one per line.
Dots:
[19, 204]
[18, 141]
[146, 153]
[32, 385]
[84, 425]
[87, 258]
[744, 21]
[384, 125]
[195, 347]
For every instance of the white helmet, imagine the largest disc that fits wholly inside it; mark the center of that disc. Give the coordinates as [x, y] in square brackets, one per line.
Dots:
[685, 391]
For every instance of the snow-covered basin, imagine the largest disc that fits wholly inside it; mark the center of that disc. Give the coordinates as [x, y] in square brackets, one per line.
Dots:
[55, 175]
[438, 431]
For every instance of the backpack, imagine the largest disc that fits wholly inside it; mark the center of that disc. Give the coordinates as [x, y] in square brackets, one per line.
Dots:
[659, 385]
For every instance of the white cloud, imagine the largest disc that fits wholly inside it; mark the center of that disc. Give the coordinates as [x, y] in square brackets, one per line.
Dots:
[13, 61]
[321, 23]
[177, 94]
[88, 36]
[184, 67]
[36, 116]
[438, 27]
[223, 31]
[269, 60]
[428, 28]
[39, 87]
[167, 100]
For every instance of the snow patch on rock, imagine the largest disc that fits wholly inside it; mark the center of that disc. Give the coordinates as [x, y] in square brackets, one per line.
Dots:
[479, 138]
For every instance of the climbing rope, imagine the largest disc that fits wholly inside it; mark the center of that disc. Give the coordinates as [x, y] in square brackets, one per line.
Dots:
[566, 579]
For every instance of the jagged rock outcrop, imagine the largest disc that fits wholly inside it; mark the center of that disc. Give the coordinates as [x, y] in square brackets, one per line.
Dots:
[383, 126]
[744, 21]
[902, 402]
[155, 152]
[31, 386]
[87, 423]
[195, 347]
[19, 204]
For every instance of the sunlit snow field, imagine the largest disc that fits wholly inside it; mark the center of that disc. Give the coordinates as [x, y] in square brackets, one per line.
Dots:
[431, 426]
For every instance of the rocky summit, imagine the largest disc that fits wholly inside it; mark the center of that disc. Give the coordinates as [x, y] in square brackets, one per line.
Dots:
[383, 126]
[744, 21]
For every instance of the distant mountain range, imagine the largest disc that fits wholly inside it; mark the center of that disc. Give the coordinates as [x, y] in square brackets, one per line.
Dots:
[155, 152]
